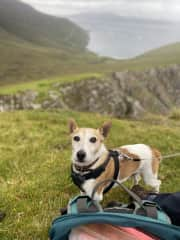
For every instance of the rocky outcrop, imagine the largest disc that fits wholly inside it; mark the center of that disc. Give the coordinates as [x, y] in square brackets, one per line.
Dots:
[126, 93]
[19, 101]
[120, 94]
[100, 96]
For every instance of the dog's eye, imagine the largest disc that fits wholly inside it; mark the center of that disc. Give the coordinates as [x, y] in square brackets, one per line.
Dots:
[77, 138]
[93, 139]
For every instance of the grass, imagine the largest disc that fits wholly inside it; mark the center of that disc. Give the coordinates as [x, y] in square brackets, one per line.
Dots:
[42, 86]
[22, 61]
[175, 114]
[39, 28]
[35, 154]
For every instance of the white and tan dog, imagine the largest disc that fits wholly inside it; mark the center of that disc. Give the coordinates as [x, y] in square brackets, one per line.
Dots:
[90, 163]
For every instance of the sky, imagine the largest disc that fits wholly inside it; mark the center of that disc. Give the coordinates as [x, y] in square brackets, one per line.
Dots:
[149, 9]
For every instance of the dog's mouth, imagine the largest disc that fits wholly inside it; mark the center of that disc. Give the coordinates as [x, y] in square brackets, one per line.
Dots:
[84, 166]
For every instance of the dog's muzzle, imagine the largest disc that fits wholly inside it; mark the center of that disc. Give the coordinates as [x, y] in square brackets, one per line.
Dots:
[81, 156]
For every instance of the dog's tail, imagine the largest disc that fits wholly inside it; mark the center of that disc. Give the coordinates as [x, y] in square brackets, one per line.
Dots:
[157, 154]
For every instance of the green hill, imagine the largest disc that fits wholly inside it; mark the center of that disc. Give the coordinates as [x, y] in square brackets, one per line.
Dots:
[34, 46]
[162, 56]
[26, 23]
[21, 61]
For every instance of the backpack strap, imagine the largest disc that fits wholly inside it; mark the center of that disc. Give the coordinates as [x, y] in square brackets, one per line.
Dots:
[146, 208]
[83, 204]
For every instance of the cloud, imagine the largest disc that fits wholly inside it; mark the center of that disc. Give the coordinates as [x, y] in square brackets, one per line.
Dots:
[153, 9]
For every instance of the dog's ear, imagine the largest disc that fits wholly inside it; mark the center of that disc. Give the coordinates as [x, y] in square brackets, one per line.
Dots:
[105, 128]
[72, 125]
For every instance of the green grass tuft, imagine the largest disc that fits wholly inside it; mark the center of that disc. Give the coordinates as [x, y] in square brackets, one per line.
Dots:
[42, 86]
[175, 114]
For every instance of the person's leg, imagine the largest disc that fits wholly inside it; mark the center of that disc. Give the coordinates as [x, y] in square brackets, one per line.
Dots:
[170, 203]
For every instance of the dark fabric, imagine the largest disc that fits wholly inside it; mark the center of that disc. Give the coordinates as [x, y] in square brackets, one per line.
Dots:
[170, 203]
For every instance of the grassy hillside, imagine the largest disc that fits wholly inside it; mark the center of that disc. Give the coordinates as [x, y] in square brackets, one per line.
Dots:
[29, 62]
[43, 86]
[24, 62]
[163, 56]
[25, 22]
[35, 46]
[21, 61]
[35, 162]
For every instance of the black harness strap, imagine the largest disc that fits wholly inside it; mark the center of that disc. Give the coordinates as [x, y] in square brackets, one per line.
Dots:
[115, 156]
[79, 178]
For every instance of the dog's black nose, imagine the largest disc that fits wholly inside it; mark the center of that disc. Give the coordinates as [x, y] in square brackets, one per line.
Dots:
[81, 155]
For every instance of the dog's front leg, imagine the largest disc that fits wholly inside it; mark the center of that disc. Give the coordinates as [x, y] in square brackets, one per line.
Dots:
[88, 186]
[82, 193]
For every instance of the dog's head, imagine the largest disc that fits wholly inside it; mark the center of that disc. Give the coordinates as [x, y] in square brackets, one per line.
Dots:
[87, 143]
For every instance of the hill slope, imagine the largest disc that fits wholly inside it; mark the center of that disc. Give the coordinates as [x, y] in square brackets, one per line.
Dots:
[21, 61]
[163, 56]
[166, 54]
[27, 23]
[31, 51]
[34, 45]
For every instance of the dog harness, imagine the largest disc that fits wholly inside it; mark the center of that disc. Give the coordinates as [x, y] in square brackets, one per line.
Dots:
[79, 177]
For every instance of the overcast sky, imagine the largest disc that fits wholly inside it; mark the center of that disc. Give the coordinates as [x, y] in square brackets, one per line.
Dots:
[153, 9]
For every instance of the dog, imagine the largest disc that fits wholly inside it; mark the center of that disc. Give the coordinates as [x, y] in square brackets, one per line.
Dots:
[93, 163]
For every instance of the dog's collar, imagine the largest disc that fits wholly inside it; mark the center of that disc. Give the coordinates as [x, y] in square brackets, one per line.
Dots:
[84, 168]
[80, 177]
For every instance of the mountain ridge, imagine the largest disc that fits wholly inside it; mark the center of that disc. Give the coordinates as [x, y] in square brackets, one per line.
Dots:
[39, 28]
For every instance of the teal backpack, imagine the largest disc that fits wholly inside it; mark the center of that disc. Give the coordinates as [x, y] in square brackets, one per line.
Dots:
[143, 215]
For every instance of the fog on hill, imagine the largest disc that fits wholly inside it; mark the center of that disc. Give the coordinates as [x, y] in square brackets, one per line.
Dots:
[122, 37]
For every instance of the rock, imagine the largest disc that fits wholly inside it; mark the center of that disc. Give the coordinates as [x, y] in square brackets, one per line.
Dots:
[126, 93]
[120, 94]
[102, 96]
[53, 95]
[56, 85]
[35, 106]
[19, 101]
[53, 104]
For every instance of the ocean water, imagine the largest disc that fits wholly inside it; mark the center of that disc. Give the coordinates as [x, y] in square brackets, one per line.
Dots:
[124, 38]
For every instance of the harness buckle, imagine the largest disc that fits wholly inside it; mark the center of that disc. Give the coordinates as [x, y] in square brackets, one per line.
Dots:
[149, 204]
